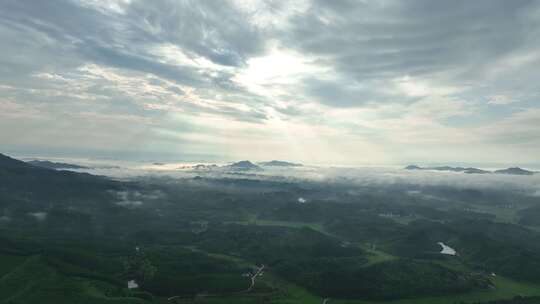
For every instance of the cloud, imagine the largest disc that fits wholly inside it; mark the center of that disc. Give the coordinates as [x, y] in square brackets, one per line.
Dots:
[500, 100]
[521, 128]
[410, 181]
[457, 44]
[388, 80]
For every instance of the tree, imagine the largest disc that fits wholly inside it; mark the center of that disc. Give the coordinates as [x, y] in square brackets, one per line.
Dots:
[139, 267]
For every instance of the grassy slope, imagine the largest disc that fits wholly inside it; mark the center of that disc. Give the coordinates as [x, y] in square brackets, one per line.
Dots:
[9, 262]
[505, 288]
[257, 222]
[34, 281]
[30, 280]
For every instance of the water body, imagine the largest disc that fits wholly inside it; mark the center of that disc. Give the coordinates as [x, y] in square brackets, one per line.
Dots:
[446, 249]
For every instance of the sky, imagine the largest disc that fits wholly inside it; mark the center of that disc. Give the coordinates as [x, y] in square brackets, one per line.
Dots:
[322, 82]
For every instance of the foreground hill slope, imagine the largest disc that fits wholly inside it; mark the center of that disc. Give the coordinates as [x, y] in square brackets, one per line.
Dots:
[23, 181]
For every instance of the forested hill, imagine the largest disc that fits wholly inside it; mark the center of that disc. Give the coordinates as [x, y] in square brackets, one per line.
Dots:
[23, 182]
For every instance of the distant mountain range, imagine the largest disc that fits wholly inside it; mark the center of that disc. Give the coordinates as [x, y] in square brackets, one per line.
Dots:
[247, 165]
[243, 165]
[470, 170]
[54, 165]
[279, 163]
[515, 171]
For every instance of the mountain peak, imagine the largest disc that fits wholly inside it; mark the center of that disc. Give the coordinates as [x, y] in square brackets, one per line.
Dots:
[244, 165]
[279, 163]
[515, 171]
[54, 165]
[412, 167]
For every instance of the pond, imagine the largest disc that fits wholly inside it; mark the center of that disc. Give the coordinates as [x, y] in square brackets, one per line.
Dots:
[446, 249]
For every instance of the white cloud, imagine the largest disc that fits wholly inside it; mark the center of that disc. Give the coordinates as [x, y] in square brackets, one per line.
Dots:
[109, 6]
[500, 100]
[272, 74]
[414, 87]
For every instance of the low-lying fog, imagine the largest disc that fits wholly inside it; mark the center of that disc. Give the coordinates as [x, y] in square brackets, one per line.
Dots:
[362, 176]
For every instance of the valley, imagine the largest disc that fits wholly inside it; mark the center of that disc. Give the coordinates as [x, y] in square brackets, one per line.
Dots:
[246, 238]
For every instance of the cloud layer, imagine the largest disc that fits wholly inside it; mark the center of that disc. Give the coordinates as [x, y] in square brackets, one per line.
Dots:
[336, 82]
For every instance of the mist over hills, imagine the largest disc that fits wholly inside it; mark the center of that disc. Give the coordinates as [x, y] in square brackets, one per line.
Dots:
[515, 171]
[55, 165]
[356, 233]
[470, 170]
[279, 163]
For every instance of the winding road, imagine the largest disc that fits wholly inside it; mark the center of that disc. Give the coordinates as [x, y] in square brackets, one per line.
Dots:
[253, 280]
[254, 277]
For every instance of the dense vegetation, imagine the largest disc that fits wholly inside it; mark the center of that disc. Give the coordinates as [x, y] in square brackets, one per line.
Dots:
[76, 238]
